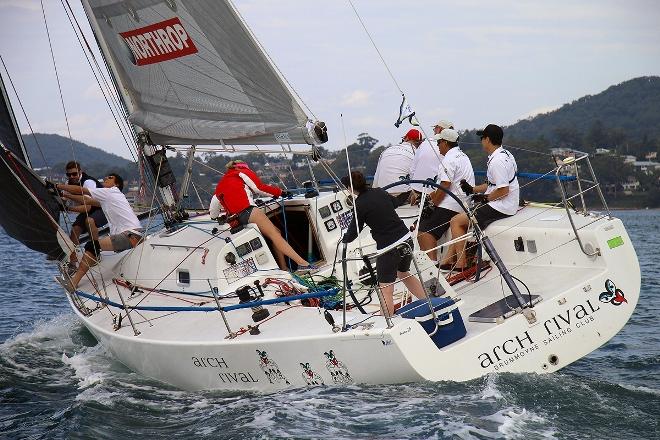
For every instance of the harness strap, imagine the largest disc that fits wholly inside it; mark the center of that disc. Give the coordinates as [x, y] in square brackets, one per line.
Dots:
[515, 171]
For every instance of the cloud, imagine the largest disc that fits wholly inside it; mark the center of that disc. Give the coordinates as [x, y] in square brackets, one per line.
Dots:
[357, 98]
[31, 5]
[93, 92]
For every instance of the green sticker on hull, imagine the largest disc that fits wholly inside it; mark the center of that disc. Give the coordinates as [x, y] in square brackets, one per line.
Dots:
[615, 242]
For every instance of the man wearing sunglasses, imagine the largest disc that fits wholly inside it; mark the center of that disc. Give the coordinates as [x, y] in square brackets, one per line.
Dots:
[90, 218]
[125, 228]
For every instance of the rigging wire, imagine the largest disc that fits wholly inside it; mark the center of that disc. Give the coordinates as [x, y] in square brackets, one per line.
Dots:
[57, 77]
[107, 91]
[376, 47]
[20, 103]
[434, 148]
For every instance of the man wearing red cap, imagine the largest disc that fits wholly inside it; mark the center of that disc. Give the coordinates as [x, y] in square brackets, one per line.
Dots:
[394, 165]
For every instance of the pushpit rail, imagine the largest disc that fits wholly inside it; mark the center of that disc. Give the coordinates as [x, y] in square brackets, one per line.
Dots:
[573, 162]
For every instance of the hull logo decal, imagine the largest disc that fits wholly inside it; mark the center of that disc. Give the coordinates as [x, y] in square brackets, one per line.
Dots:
[310, 376]
[270, 368]
[612, 295]
[337, 369]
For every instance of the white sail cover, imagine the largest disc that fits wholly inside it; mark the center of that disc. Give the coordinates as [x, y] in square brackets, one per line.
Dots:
[194, 73]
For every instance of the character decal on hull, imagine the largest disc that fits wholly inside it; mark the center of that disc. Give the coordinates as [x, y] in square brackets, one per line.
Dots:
[270, 368]
[310, 376]
[612, 295]
[336, 368]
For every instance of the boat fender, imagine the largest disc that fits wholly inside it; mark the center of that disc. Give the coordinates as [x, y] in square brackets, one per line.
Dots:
[93, 247]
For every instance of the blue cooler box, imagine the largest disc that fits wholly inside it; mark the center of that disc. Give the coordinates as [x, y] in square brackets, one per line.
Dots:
[450, 323]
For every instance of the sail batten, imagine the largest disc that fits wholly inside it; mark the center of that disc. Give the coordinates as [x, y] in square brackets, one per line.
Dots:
[193, 73]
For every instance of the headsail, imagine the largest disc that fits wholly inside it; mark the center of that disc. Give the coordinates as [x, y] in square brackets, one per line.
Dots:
[195, 75]
[29, 213]
[8, 133]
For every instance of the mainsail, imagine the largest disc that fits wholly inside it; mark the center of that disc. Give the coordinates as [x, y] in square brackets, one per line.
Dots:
[193, 74]
[29, 213]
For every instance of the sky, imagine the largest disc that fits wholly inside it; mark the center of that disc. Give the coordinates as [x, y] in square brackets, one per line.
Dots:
[471, 62]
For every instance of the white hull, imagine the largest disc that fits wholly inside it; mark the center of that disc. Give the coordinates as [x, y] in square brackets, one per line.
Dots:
[297, 347]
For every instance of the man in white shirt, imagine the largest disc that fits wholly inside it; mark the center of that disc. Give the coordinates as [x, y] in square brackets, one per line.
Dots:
[427, 160]
[455, 166]
[125, 228]
[394, 165]
[499, 196]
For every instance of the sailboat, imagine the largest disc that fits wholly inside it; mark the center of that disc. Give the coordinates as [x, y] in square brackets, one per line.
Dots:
[200, 305]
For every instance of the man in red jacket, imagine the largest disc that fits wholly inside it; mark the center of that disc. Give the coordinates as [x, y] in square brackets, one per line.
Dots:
[235, 194]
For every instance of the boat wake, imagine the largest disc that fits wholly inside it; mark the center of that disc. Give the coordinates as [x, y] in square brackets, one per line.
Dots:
[77, 382]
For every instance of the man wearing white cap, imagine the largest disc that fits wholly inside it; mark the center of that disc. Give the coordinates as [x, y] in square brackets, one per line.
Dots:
[394, 165]
[455, 167]
[427, 160]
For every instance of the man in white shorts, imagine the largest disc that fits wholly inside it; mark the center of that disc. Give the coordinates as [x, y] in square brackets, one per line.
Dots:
[125, 229]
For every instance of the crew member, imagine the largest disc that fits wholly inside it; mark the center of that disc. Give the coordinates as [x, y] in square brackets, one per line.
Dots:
[499, 196]
[234, 194]
[394, 165]
[125, 229]
[455, 167]
[377, 209]
[427, 160]
[90, 218]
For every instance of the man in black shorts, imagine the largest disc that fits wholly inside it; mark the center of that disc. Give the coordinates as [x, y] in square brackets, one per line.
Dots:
[454, 167]
[498, 197]
[376, 208]
[90, 218]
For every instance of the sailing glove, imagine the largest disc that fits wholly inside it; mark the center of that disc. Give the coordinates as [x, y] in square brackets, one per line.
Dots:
[466, 187]
[52, 188]
[480, 198]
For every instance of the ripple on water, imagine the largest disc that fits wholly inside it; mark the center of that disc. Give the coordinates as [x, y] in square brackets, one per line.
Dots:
[56, 382]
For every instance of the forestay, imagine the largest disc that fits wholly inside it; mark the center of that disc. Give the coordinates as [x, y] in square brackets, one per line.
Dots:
[195, 75]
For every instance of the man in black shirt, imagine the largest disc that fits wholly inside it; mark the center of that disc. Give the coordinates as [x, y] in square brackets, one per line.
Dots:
[90, 218]
[376, 208]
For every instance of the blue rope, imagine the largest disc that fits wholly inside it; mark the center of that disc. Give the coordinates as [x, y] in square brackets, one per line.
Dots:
[246, 305]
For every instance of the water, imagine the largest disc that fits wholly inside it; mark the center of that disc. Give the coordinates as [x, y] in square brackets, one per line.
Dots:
[56, 382]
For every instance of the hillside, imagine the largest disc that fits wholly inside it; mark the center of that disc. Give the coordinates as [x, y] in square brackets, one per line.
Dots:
[625, 114]
[57, 150]
[625, 119]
